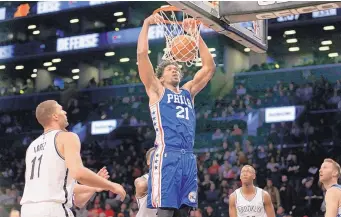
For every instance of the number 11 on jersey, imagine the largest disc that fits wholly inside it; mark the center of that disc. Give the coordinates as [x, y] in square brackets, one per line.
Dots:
[33, 166]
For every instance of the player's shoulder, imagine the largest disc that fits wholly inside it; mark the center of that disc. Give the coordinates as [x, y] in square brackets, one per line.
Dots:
[334, 191]
[67, 135]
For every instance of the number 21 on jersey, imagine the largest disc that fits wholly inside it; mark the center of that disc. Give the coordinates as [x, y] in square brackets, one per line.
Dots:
[182, 112]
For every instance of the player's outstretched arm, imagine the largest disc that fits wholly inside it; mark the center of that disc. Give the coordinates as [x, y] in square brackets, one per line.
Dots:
[141, 186]
[71, 152]
[204, 75]
[232, 205]
[332, 202]
[83, 193]
[145, 67]
[268, 206]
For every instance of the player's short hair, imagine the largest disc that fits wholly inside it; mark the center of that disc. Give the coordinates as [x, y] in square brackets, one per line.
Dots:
[251, 167]
[336, 166]
[44, 111]
[149, 153]
[161, 67]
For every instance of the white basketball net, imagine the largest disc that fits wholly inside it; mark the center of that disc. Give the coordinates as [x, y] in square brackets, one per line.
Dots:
[188, 50]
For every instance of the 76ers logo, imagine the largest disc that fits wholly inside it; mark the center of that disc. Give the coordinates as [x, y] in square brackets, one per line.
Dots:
[192, 197]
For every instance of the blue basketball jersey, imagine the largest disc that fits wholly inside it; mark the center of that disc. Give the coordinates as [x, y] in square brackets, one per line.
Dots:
[174, 120]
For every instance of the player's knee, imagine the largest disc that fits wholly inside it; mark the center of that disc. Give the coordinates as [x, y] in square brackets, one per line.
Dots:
[165, 212]
[183, 211]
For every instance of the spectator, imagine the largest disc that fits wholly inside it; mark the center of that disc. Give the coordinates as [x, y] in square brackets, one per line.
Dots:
[236, 131]
[217, 135]
[109, 212]
[212, 194]
[287, 195]
[274, 193]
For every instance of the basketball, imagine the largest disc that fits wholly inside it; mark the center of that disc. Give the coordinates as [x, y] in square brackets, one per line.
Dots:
[183, 48]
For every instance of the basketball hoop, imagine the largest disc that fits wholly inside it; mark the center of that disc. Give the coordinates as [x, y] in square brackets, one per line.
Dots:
[181, 33]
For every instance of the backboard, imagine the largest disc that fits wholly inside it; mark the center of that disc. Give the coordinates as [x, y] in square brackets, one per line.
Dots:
[246, 21]
[251, 34]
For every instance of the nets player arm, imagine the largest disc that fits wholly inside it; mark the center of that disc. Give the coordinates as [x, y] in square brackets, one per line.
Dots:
[204, 75]
[145, 67]
[232, 205]
[71, 151]
[332, 202]
[141, 186]
[268, 206]
[83, 193]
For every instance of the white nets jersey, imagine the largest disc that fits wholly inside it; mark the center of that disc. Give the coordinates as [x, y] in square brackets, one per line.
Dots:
[142, 203]
[250, 208]
[46, 178]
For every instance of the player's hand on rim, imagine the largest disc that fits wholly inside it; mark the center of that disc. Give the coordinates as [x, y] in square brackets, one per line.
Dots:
[153, 19]
[103, 173]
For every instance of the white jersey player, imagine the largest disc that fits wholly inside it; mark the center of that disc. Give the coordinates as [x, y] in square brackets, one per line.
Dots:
[250, 201]
[53, 163]
[141, 185]
[329, 174]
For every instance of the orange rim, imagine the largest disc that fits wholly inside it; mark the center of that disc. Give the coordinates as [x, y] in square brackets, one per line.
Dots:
[168, 9]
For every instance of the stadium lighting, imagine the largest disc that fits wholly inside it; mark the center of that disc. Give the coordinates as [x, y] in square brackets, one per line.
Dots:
[323, 48]
[117, 29]
[75, 77]
[57, 60]
[247, 49]
[74, 20]
[75, 70]
[117, 14]
[20, 67]
[290, 32]
[34, 75]
[333, 54]
[149, 51]
[276, 66]
[52, 68]
[327, 28]
[31, 27]
[214, 55]
[293, 49]
[212, 49]
[35, 70]
[329, 42]
[291, 40]
[47, 64]
[109, 54]
[269, 37]
[121, 20]
[36, 32]
[124, 60]
[2, 67]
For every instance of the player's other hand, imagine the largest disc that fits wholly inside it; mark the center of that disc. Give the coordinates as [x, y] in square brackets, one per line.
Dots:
[153, 19]
[119, 190]
[190, 25]
[103, 173]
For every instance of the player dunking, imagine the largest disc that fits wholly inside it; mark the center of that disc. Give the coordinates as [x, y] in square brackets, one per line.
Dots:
[53, 163]
[249, 200]
[172, 187]
[329, 174]
[141, 186]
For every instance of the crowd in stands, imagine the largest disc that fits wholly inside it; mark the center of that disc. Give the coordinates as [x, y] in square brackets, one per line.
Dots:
[286, 155]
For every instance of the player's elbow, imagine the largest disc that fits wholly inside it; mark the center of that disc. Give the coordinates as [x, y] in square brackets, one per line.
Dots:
[210, 68]
[76, 173]
[78, 203]
[142, 52]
